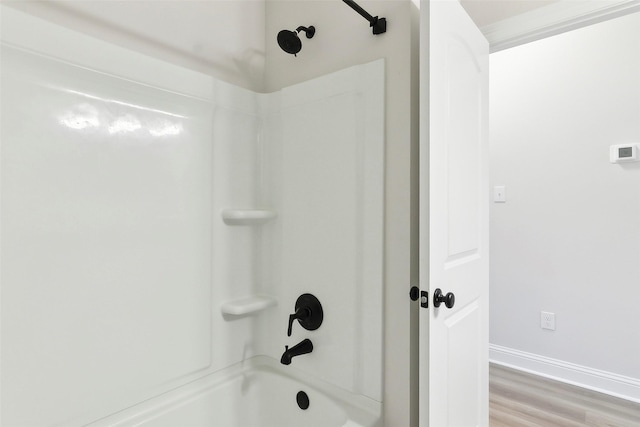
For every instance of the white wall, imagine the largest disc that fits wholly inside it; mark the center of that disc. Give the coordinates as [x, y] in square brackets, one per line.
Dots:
[568, 239]
[343, 38]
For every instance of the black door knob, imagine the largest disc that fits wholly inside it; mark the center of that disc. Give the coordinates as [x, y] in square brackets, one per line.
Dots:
[438, 298]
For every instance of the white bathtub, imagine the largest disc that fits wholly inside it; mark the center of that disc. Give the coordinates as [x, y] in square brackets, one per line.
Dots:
[259, 392]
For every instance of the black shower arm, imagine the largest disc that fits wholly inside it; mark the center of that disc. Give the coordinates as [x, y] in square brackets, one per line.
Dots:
[379, 24]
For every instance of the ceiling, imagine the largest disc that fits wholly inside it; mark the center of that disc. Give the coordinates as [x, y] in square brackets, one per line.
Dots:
[485, 12]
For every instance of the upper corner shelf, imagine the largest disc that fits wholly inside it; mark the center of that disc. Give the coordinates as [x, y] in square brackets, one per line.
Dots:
[247, 216]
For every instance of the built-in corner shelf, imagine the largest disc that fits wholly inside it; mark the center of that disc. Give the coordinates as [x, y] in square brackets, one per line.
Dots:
[247, 216]
[249, 305]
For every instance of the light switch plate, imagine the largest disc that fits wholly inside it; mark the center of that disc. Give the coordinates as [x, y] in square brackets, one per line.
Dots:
[500, 194]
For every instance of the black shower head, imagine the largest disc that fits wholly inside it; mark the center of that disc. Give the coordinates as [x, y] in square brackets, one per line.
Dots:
[289, 40]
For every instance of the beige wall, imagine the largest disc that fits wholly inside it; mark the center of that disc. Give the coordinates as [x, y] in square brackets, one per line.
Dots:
[221, 38]
[343, 38]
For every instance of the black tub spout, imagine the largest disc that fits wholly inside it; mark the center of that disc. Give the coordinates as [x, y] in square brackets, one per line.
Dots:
[303, 347]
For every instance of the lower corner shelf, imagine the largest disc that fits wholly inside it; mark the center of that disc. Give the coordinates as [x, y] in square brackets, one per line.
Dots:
[247, 216]
[249, 305]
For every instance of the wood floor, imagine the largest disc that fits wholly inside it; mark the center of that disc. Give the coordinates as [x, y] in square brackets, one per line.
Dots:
[518, 399]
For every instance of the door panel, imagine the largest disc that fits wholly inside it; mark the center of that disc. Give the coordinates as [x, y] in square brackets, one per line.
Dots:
[454, 221]
[462, 150]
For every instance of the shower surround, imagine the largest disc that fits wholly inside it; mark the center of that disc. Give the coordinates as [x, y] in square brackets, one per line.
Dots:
[158, 226]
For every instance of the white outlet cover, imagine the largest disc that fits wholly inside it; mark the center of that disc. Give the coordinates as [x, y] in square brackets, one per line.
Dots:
[548, 320]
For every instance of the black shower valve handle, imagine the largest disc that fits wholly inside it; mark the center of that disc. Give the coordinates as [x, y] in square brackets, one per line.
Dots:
[301, 314]
[308, 312]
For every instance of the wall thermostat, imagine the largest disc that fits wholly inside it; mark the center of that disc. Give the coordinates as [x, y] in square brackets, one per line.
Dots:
[623, 153]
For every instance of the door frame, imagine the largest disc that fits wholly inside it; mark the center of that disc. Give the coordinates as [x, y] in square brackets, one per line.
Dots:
[538, 24]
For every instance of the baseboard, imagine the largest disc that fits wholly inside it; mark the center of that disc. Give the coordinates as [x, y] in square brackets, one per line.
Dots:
[593, 379]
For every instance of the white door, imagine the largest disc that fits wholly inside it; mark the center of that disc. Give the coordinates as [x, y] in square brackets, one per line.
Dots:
[454, 217]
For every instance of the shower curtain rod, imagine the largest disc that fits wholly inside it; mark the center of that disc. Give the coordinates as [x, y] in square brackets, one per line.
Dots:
[379, 25]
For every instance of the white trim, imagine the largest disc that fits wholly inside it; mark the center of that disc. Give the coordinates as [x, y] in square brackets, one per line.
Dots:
[556, 18]
[593, 379]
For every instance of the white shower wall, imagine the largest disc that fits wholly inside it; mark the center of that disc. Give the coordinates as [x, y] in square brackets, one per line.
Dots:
[115, 259]
[106, 195]
[317, 162]
[329, 186]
